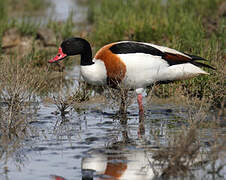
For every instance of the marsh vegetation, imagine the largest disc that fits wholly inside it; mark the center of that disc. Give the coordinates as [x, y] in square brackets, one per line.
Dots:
[47, 111]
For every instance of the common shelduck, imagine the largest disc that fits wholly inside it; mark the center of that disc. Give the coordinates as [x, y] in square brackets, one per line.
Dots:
[135, 64]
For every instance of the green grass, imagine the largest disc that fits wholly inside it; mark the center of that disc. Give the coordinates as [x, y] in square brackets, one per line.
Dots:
[183, 25]
[151, 21]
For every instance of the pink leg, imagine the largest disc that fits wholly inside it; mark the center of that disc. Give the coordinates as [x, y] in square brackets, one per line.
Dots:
[141, 109]
[141, 130]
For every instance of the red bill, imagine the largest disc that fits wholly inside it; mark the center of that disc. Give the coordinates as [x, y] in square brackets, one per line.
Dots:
[60, 55]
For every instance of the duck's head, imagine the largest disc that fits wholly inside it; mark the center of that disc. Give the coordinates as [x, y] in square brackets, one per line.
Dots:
[71, 47]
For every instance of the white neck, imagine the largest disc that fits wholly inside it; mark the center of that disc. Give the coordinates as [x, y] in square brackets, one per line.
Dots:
[95, 74]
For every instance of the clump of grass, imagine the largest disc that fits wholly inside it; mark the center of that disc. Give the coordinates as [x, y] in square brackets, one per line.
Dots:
[183, 25]
[18, 84]
[189, 148]
[185, 153]
[67, 101]
[120, 97]
[180, 154]
[82, 93]
[15, 128]
[63, 103]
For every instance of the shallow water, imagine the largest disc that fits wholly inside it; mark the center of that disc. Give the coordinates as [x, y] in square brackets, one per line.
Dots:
[92, 143]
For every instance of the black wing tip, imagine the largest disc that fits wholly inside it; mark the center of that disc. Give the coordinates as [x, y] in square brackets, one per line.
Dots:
[199, 64]
[194, 61]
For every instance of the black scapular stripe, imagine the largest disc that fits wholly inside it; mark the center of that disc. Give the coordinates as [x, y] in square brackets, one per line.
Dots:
[135, 47]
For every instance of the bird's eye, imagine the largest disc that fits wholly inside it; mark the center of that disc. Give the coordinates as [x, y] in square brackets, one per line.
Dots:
[58, 55]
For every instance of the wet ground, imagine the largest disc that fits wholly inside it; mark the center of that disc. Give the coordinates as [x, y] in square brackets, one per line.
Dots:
[92, 143]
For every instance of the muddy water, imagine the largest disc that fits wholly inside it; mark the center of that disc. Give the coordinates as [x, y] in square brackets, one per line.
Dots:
[91, 142]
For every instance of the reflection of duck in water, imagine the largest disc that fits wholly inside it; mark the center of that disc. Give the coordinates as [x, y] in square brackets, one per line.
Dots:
[126, 160]
[120, 160]
[128, 163]
[57, 177]
[111, 164]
